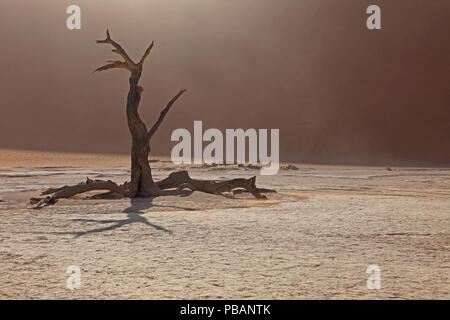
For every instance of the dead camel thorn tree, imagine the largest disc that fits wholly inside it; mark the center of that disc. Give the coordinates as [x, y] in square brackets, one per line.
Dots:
[141, 175]
[142, 184]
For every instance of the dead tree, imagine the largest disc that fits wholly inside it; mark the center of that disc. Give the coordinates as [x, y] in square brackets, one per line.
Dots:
[141, 174]
[142, 184]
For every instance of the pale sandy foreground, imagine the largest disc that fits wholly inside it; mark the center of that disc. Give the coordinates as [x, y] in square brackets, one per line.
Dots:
[314, 239]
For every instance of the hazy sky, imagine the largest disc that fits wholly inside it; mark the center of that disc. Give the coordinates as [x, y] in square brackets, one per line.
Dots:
[338, 92]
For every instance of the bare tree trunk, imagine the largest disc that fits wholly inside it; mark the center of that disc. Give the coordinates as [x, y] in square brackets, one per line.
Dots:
[142, 183]
[141, 174]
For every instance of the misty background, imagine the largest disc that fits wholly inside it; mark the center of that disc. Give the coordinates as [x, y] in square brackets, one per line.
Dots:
[338, 92]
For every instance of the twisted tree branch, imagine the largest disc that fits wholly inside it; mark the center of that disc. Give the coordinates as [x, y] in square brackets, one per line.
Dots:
[146, 53]
[163, 114]
[118, 48]
[113, 65]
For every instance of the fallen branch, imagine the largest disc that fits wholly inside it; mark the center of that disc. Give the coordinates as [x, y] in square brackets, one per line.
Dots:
[70, 191]
[182, 180]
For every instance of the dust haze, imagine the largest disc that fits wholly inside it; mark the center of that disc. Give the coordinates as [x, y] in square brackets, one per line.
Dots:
[338, 92]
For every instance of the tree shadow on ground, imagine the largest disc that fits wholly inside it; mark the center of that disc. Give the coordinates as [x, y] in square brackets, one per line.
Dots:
[134, 214]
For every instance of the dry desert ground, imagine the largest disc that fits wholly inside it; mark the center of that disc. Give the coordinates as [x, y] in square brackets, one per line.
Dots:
[314, 239]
